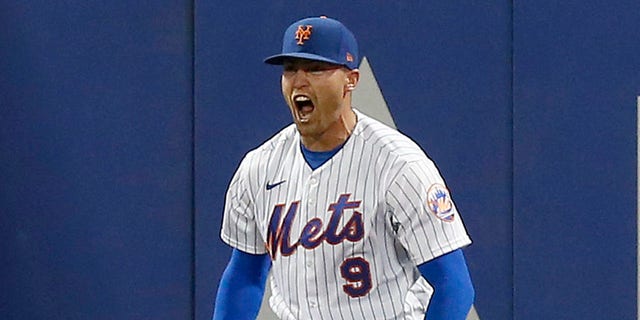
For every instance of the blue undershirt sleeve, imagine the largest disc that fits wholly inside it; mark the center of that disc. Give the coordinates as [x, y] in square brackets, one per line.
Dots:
[453, 291]
[242, 286]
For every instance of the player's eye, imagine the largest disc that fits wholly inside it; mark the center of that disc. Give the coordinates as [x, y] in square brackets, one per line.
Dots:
[289, 70]
[316, 70]
[321, 69]
[313, 70]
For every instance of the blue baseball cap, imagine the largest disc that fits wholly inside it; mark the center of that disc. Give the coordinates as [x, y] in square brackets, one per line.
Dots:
[321, 39]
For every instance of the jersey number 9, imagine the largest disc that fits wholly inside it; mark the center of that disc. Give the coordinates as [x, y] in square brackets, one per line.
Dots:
[358, 275]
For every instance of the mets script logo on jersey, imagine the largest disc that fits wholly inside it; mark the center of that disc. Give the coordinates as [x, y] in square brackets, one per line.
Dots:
[439, 202]
[314, 231]
[303, 33]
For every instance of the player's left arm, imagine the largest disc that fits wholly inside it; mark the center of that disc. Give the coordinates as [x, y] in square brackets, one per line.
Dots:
[453, 291]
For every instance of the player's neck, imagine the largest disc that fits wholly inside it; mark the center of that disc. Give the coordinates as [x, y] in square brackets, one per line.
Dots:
[333, 137]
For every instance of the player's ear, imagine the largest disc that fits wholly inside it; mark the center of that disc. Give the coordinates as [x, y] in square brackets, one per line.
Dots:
[353, 76]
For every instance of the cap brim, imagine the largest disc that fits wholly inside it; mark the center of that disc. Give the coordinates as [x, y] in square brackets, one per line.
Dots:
[278, 59]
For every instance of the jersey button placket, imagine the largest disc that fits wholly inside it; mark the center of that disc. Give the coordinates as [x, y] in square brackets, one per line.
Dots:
[313, 182]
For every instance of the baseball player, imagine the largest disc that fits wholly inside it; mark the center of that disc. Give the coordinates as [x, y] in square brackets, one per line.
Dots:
[350, 216]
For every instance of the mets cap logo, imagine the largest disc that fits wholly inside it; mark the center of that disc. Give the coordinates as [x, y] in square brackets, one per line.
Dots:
[439, 202]
[303, 33]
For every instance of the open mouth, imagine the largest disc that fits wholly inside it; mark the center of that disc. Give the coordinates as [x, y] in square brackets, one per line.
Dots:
[304, 107]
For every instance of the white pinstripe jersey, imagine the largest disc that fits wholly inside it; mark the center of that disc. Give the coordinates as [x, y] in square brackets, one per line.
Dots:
[345, 238]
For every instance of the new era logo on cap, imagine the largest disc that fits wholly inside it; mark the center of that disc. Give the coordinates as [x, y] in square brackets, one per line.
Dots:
[321, 39]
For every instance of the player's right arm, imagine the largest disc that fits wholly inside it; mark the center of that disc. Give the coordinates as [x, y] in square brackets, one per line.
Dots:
[242, 286]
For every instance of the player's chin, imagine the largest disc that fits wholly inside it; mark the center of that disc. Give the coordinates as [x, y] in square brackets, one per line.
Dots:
[305, 128]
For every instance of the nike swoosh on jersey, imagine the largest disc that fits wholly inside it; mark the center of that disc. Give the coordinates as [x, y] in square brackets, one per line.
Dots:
[271, 186]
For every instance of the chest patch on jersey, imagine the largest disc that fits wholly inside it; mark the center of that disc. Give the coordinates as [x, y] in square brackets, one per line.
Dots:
[439, 202]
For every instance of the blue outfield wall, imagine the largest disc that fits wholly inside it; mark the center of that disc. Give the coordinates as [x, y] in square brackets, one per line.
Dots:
[122, 123]
[576, 83]
[96, 123]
